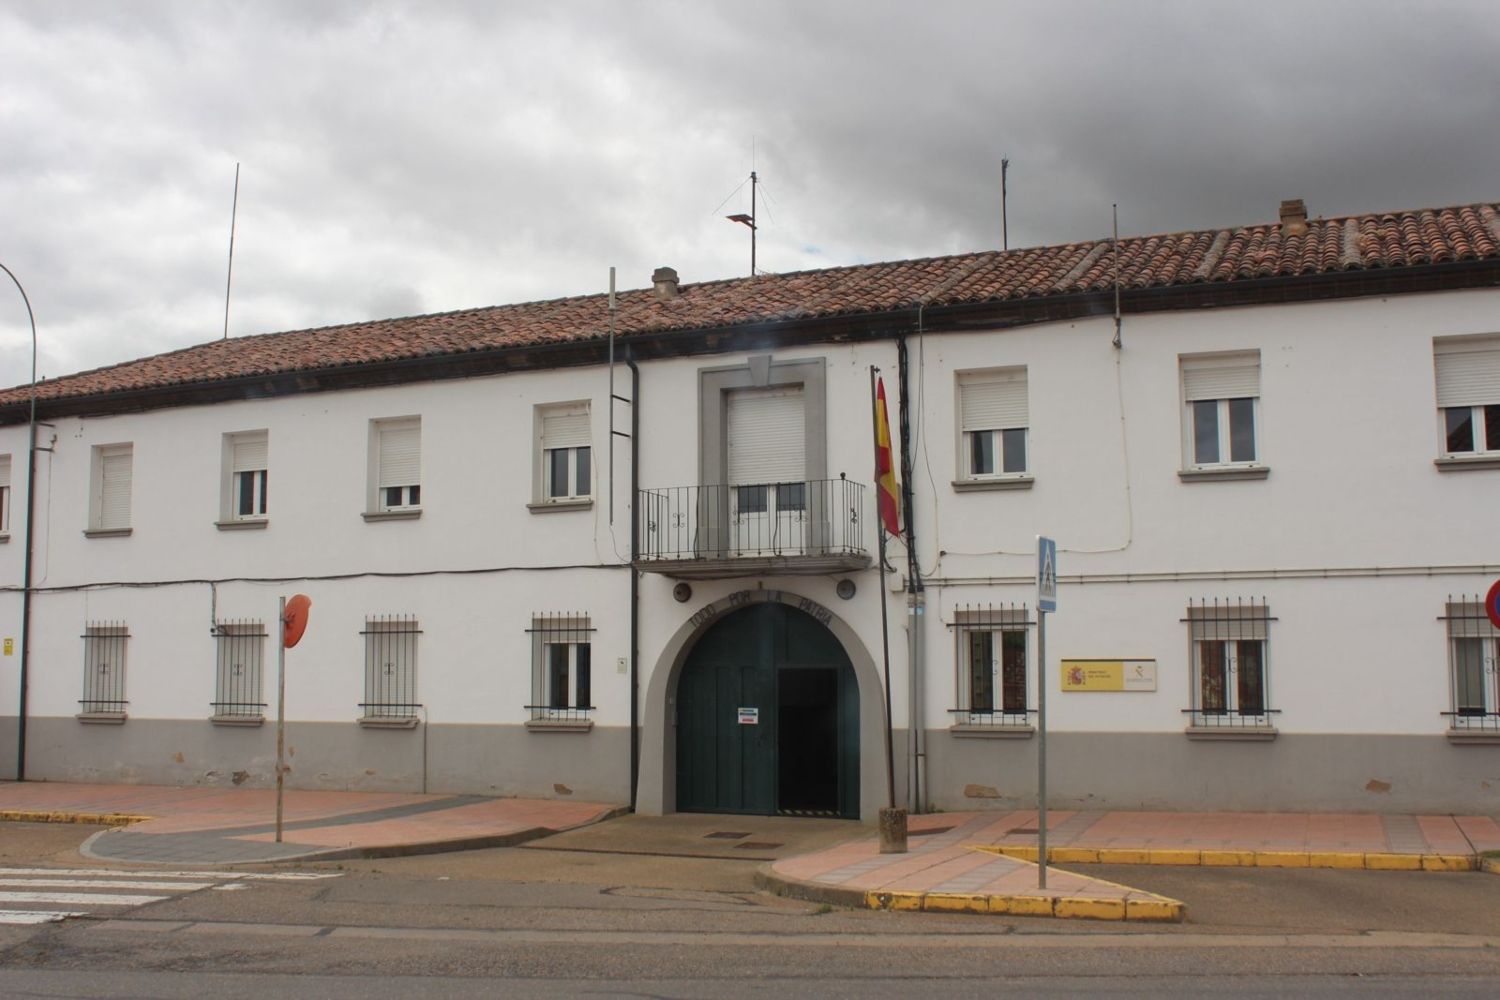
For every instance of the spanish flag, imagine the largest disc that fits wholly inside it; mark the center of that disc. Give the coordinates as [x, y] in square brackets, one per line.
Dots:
[885, 467]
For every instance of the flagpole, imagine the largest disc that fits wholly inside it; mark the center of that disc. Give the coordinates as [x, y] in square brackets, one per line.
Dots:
[892, 820]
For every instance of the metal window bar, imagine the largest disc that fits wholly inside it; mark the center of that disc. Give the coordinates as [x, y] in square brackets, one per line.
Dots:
[993, 697]
[1229, 653]
[390, 667]
[561, 666]
[104, 668]
[1473, 666]
[819, 517]
[240, 648]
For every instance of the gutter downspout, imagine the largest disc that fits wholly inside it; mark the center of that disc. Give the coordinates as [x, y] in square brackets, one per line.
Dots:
[635, 577]
[21, 707]
[915, 597]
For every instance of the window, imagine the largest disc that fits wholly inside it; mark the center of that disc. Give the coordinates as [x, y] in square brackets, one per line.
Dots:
[1474, 668]
[992, 666]
[1230, 665]
[245, 478]
[993, 423]
[109, 494]
[562, 667]
[1468, 396]
[104, 670]
[766, 438]
[1221, 394]
[396, 467]
[565, 459]
[4, 494]
[390, 671]
[240, 650]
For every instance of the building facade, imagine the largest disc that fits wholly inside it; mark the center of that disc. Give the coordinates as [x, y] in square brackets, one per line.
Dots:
[1270, 481]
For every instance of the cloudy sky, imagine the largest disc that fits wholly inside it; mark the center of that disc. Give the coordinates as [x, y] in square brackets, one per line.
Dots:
[399, 158]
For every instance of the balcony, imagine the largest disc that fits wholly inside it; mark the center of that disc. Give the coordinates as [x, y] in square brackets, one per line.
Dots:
[716, 532]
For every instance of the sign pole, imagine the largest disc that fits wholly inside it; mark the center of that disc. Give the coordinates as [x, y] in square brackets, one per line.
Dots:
[280, 711]
[1046, 601]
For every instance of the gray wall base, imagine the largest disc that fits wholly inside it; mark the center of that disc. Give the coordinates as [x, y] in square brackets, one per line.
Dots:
[480, 760]
[1167, 771]
[9, 726]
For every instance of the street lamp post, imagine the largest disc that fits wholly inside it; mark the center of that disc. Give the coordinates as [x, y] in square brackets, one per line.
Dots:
[30, 508]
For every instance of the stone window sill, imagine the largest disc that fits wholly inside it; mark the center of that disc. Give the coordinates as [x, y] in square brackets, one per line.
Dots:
[246, 524]
[238, 720]
[101, 718]
[1467, 463]
[998, 483]
[559, 725]
[388, 722]
[968, 732]
[106, 532]
[1224, 474]
[1246, 734]
[1474, 737]
[547, 506]
[391, 515]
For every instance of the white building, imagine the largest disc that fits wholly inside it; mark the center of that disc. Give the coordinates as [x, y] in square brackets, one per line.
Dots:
[1272, 482]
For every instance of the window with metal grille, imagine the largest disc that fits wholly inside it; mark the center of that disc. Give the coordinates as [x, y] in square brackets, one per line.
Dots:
[390, 668]
[109, 497]
[104, 668]
[1473, 666]
[561, 666]
[1230, 653]
[566, 463]
[994, 418]
[1468, 395]
[240, 653]
[1222, 396]
[246, 476]
[992, 660]
[396, 459]
[4, 494]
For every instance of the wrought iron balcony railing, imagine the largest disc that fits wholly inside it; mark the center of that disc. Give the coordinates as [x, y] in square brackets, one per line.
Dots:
[815, 519]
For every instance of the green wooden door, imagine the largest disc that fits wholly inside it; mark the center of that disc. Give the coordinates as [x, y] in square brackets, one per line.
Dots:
[802, 752]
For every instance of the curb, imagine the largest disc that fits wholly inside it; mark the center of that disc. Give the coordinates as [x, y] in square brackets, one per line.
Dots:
[1156, 909]
[87, 819]
[1371, 861]
[1490, 865]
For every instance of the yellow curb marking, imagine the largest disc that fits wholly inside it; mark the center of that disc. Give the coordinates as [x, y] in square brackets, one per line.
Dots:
[1246, 859]
[1394, 862]
[1089, 909]
[1227, 859]
[91, 819]
[1281, 859]
[1491, 865]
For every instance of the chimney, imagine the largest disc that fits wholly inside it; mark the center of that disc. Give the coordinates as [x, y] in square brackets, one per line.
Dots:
[1293, 217]
[665, 280]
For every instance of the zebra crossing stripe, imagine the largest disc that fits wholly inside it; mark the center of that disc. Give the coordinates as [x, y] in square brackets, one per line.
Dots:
[104, 883]
[36, 916]
[77, 898]
[214, 876]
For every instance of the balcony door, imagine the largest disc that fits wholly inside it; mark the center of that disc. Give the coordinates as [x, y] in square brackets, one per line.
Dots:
[767, 471]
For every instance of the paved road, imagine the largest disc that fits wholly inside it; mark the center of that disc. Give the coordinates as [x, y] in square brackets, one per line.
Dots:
[537, 923]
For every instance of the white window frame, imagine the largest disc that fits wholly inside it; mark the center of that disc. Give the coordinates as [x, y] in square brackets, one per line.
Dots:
[379, 503]
[110, 466]
[574, 442]
[236, 461]
[1467, 376]
[1468, 624]
[570, 634]
[5, 495]
[1226, 625]
[1220, 379]
[992, 403]
[997, 623]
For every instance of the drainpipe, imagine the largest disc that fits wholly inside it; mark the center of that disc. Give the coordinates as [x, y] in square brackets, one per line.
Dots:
[26, 578]
[915, 598]
[635, 577]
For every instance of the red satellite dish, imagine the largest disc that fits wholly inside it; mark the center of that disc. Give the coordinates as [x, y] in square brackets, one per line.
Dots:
[295, 622]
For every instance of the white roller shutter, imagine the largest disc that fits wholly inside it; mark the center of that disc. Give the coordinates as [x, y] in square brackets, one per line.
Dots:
[565, 429]
[250, 453]
[1468, 372]
[767, 437]
[401, 454]
[114, 488]
[1226, 377]
[993, 401]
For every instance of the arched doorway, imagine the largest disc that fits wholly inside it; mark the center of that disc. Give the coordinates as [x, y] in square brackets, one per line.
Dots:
[768, 718]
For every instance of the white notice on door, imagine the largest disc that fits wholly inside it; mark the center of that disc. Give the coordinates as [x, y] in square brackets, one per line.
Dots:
[749, 716]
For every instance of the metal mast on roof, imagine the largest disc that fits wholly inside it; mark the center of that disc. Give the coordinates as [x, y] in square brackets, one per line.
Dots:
[1004, 226]
[748, 220]
[233, 212]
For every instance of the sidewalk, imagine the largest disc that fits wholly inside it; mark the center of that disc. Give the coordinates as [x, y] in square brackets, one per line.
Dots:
[166, 825]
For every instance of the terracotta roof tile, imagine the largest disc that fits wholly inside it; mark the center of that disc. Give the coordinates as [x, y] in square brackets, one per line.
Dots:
[1392, 240]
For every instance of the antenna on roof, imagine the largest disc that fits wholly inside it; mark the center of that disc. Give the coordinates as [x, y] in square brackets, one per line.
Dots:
[229, 278]
[748, 220]
[1115, 247]
[1004, 226]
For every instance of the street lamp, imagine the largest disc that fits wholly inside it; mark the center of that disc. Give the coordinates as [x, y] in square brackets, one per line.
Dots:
[30, 506]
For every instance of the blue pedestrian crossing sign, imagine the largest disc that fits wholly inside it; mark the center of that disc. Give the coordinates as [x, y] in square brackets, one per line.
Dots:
[1046, 573]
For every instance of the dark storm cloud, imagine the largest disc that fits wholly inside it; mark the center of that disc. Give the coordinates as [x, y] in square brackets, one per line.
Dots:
[400, 158]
